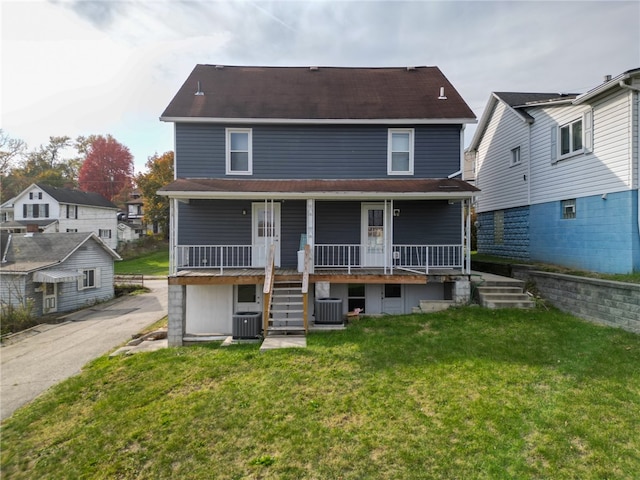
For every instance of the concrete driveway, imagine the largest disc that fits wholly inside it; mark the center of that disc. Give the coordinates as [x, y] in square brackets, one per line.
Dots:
[56, 352]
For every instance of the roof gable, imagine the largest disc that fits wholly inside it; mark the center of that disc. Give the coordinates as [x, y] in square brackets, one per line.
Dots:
[321, 94]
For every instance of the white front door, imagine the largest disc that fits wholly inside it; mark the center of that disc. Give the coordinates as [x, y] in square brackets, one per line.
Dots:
[49, 297]
[373, 235]
[265, 231]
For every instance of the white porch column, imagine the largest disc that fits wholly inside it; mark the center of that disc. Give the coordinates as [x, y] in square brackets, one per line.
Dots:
[311, 214]
[173, 235]
[467, 244]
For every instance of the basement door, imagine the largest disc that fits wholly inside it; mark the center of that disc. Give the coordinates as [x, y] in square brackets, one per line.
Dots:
[265, 231]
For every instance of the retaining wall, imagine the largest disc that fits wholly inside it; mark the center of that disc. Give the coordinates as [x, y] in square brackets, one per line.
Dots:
[616, 304]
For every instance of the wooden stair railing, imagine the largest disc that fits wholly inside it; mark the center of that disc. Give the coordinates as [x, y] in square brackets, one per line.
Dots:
[269, 277]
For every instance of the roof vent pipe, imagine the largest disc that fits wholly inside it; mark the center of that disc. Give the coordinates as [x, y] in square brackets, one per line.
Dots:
[442, 95]
[607, 78]
[199, 92]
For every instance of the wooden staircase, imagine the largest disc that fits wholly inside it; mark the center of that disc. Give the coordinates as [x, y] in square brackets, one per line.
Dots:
[286, 311]
[501, 292]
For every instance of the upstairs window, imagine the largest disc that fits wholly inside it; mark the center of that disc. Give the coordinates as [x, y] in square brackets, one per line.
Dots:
[72, 211]
[35, 210]
[572, 138]
[239, 151]
[400, 151]
[515, 156]
[104, 233]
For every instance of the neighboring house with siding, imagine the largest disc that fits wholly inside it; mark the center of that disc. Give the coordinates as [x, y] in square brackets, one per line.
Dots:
[359, 167]
[56, 272]
[50, 209]
[559, 176]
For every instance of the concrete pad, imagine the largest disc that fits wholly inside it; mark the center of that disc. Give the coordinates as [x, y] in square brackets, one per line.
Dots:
[293, 341]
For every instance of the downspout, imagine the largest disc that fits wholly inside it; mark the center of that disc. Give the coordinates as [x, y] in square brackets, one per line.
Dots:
[635, 89]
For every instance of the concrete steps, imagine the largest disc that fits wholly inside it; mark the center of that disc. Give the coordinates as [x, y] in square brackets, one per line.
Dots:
[493, 291]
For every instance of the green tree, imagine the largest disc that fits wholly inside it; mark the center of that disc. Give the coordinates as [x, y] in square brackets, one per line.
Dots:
[159, 173]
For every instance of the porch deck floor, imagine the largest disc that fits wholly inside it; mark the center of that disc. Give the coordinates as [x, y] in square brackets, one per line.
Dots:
[253, 272]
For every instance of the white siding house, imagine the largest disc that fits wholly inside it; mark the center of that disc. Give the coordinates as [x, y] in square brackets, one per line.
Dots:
[52, 210]
[570, 195]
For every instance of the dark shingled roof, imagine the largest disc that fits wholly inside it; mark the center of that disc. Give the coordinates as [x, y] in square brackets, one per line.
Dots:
[76, 197]
[390, 186]
[519, 99]
[324, 93]
[39, 250]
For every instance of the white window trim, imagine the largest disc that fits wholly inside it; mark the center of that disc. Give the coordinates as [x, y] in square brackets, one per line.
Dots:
[96, 278]
[571, 152]
[587, 138]
[228, 132]
[411, 132]
[516, 152]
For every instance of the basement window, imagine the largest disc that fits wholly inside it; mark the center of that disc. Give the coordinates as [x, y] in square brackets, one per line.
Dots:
[568, 209]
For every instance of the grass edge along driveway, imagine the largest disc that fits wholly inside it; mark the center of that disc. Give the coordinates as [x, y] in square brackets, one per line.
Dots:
[467, 393]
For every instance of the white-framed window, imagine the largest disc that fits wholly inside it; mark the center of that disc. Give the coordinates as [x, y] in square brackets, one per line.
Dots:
[104, 233]
[400, 151]
[239, 153]
[568, 209]
[515, 156]
[90, 278]
[572, 138]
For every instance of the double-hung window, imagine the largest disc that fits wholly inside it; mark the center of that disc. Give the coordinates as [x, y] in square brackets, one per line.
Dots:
[400, 151]
[572, 138]
[515, 156]
[239, 151]
[90, 278]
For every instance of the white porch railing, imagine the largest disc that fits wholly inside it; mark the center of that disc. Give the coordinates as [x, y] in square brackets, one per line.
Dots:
[217, 256]
[412, 257]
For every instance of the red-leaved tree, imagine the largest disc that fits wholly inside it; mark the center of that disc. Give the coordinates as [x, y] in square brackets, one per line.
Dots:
[107, 167]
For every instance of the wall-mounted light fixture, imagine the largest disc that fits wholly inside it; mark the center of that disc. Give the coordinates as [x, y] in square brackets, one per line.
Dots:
[244, 211]
[604, 196]
[396, 212]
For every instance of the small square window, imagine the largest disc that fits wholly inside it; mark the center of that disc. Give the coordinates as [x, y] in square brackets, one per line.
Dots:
[515, 156]
[88, 279]
[568, 209]
[246, 293]
[239, 152]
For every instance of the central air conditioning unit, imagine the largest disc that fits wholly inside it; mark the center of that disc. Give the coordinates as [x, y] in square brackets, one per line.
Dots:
[246, 325]
[328, 311]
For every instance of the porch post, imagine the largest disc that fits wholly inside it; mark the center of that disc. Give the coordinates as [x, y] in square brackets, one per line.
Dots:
[173, 234]
[391, 236]
[311, 213]
[467, 245]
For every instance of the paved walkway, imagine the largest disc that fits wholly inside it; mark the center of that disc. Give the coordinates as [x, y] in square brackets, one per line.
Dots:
[55, 352]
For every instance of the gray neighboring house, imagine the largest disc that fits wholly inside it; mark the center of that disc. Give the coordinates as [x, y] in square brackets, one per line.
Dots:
[59, 272]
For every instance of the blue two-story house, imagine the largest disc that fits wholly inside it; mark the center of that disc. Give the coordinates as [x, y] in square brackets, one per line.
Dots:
[303, 193]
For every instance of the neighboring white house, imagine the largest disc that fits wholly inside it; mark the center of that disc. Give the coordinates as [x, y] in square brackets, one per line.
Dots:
[50, 209]
[559, 176]
[6, 211]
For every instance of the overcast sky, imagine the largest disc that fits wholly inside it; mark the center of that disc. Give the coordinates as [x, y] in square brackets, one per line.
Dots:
[78, 67]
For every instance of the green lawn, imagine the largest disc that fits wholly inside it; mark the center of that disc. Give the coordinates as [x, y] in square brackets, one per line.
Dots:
[156, 263]
[468, 393]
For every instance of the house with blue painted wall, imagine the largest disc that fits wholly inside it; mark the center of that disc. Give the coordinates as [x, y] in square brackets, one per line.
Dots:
[559, 176]
[302, 194]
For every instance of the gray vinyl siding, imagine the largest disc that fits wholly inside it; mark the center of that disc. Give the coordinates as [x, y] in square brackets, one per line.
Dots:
[316, 151]
[427, 223]
[88, 256]
[12, 289]
[215, 222]
[221, 222]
